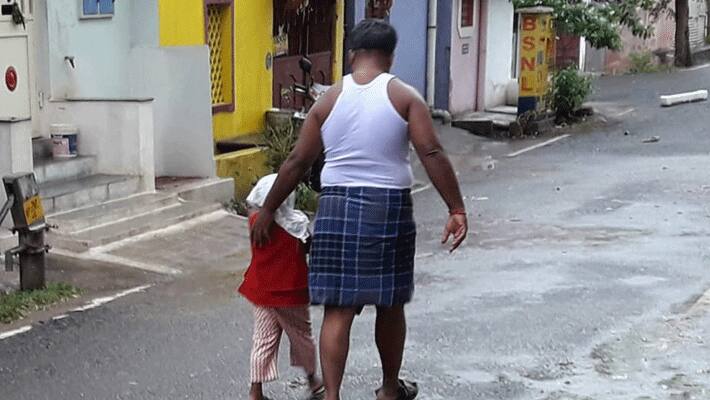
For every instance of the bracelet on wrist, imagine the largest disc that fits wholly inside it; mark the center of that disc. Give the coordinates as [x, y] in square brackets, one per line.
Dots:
[457, 211]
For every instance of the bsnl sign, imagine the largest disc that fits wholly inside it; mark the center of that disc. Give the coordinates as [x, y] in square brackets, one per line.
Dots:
[537, 50]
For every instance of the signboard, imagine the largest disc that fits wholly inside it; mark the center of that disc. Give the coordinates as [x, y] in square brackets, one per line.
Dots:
[536, 51]
[34, 211]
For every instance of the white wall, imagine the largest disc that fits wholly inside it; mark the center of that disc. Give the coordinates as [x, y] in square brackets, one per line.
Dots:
[499, 52]
[119, 58]
[39, 65]
[464, 62]
[15, 147]
[100, 47]
[118, 133]
[178, 79]
[15, 153]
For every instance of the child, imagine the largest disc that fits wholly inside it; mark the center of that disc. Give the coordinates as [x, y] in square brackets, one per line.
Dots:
[276, 283]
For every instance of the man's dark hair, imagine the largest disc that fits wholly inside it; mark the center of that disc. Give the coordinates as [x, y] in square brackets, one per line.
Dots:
[374, 34]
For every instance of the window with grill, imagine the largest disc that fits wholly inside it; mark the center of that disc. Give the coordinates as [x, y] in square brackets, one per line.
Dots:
[219, 21]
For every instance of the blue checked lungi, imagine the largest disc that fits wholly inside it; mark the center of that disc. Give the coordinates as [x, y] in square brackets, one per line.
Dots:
[363, 247]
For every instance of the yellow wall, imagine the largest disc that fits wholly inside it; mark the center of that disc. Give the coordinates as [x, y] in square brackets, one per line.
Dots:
[182, 22]
[253, 81]
[245, 166]
[338, 40]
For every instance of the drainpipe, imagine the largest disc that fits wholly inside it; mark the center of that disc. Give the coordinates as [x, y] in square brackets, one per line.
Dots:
[431, 53]
[482, 55]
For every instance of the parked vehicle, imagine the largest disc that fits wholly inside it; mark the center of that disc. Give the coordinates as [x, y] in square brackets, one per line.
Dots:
[311, 91]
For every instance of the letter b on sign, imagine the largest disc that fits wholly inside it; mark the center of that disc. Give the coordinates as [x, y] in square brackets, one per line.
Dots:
[529, 23]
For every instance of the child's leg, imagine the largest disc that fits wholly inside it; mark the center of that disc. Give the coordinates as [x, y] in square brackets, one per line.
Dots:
[296, 322]
[265, 349]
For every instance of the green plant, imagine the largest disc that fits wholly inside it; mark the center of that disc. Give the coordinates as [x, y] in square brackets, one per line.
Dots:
[306, 198]
[642, 63]
[279, 140]
[568, 91]
[707, 39]
[237, 206]
[16, 305]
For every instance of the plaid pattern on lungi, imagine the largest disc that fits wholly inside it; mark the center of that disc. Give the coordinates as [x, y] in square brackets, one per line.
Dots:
[363, 247]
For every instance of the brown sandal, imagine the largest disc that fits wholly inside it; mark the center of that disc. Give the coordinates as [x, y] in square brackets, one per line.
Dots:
[407, 390]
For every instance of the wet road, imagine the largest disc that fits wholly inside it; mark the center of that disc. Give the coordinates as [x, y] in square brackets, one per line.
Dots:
[584, 278]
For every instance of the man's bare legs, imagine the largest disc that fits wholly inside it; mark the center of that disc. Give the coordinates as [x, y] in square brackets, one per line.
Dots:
[390, 334]
[334, 347]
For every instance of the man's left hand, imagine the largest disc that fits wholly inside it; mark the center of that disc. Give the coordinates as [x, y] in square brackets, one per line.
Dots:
[456, 226]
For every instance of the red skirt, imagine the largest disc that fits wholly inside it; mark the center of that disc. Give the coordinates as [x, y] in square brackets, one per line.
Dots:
[278, 273]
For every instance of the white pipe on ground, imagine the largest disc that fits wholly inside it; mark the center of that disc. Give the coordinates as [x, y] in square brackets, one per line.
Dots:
[431, 53]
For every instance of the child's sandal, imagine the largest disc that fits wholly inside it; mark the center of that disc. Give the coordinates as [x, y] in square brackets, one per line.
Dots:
[318, 394]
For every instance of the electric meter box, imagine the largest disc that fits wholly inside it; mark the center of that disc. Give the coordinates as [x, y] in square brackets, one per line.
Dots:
[14, 76]
[27, 209]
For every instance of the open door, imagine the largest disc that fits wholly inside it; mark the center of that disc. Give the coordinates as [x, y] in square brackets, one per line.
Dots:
[301, 29]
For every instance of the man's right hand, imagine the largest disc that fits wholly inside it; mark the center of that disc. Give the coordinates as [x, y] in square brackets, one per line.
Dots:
[261, 230]
[456, 226]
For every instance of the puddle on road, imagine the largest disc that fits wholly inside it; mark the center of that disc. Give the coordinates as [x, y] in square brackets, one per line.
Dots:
[643, 280]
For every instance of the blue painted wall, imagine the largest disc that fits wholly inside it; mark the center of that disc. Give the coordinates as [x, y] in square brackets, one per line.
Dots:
[410, 19]
[443, 55]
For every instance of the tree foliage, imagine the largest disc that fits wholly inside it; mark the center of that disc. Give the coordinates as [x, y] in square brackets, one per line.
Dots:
[601, 22]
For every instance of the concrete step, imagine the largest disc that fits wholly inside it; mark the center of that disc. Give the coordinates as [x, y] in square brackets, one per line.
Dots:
[111, 211]
[507, 110]
[63, 169]
[484, 123]
[58, 196]
[208, 190]
[138, 224]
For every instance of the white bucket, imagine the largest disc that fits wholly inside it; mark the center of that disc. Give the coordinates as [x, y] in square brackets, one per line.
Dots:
[64, 140]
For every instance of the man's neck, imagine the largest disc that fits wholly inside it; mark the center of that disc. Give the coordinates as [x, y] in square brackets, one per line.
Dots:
[369, 65]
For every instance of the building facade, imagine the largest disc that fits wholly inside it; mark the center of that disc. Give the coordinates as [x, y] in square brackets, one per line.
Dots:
[467, 64]
[481, 53]
[153, 85]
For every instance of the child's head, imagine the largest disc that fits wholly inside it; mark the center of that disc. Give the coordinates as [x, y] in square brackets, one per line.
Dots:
[258, 194]
[295, 222]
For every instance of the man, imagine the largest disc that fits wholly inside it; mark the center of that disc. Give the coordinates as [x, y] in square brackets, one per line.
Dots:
[364, 239]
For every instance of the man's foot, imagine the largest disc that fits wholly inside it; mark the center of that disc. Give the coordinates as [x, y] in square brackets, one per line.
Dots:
[406, 391]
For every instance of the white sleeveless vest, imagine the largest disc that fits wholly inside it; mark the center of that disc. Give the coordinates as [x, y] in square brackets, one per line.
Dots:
[366, 140]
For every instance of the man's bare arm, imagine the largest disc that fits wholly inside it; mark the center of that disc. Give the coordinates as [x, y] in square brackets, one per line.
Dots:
[307, 149]
[437, 165]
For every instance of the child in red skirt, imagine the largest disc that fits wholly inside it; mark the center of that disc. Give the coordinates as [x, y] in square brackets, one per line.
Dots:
[276, 283]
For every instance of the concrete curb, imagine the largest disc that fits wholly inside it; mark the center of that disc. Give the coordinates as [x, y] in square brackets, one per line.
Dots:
[681, 98]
